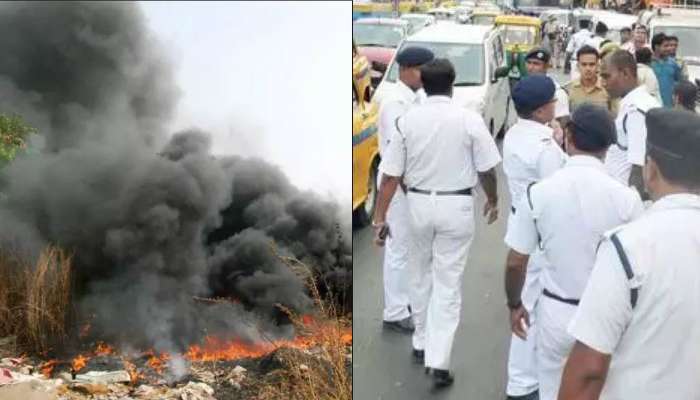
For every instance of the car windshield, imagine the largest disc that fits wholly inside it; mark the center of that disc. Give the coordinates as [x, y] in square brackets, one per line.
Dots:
[377, 35]
[688, 39]
[466, 58]
[519, 34]
[483, 19]
[415, 22]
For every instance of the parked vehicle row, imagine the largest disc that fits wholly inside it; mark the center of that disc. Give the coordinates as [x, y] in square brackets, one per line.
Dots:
[479, 58]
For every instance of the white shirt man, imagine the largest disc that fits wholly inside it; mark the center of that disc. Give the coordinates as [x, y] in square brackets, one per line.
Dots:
[529, 154]
[578, 40]
[630, 148]
[566, 215]
[637, 331]
[396, 286]
[439, 149]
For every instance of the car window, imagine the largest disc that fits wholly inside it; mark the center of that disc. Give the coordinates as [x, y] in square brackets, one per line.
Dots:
[468, 60]
[519, 34]
[688, 39]
[377, 35]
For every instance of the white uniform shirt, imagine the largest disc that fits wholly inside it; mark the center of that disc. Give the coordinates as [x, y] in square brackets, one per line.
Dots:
[631, 134]
[655, 346]
[561, 107]
[571, 210]
[594, 42]
[394, 104]
[440, 146]
[578, 40]
[529, 154]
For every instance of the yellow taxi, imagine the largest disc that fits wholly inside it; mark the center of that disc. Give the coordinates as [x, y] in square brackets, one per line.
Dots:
[365, 145]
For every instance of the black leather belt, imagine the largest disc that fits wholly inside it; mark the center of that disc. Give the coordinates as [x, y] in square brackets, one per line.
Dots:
[464, 192]
[573, 302]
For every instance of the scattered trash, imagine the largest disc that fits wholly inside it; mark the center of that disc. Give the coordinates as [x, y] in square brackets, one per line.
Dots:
[104, 377]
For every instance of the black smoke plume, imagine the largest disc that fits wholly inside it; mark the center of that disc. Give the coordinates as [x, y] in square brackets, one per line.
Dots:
[153, 225]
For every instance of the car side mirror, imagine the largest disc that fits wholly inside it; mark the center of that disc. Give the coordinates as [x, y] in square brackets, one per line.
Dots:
[500, 72]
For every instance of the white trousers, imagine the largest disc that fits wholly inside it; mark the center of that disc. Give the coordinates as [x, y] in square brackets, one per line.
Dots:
[396, 260]
[575, 73]
[442, 229]
[522, 357]
[553, 344]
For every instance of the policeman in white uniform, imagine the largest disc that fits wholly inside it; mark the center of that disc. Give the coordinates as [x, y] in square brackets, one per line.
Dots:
[577, 41]
[566, 216]
[440, 149]
[637, 328]
[601, 31]
[529, 155]
[407, 92]
[625, 159]
[537, 62]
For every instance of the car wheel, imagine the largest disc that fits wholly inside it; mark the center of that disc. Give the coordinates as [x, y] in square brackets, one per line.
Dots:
[364, 213]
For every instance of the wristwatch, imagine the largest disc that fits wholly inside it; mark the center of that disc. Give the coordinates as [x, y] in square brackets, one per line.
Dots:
[514, 306]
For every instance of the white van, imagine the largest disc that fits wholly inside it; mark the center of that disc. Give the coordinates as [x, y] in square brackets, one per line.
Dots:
[477, 52]
[614, 21]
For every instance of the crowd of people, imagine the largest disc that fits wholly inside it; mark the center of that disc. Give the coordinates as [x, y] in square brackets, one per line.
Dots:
[660, 71]
[603, 218]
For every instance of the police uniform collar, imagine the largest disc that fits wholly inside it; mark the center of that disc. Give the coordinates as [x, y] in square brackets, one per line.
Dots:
[677, 200]
[632, 93]
[438, 99]
[531, 125]
[584, 160]
[405, 91]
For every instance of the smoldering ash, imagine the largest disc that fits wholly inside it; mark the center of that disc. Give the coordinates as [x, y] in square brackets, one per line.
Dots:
[154, 220]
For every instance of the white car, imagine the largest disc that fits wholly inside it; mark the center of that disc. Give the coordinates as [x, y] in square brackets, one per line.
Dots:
[442, 14]
[477, 53]
[614, 21]
[685, 24]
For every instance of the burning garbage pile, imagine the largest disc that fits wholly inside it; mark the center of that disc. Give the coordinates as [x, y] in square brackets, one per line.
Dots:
[168, 257]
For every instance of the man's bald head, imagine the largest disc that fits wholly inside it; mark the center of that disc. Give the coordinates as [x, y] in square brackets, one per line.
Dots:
[619, 73]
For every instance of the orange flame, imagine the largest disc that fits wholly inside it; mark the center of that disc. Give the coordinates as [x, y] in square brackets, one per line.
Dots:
[157, 363]
[79, 363]
[47, 367]
[215, 348]
[134, 374]
[103, 349]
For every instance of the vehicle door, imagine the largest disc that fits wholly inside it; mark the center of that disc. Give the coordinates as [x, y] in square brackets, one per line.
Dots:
[498, 93]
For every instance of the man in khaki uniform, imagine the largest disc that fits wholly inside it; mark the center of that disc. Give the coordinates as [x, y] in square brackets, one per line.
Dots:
[588, 88]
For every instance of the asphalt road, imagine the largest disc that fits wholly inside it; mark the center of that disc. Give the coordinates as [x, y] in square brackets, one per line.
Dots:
[382, 363]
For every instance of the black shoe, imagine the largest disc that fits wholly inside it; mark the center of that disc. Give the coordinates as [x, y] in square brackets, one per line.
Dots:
[405, 325]
[418, 356]
[442, 378]
[531, 396]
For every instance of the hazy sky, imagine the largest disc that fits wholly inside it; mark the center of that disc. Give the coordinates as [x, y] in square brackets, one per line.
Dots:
[266, 79]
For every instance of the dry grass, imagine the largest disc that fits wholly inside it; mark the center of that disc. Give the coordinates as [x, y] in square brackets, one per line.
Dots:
[328, 376]
[35, 300]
